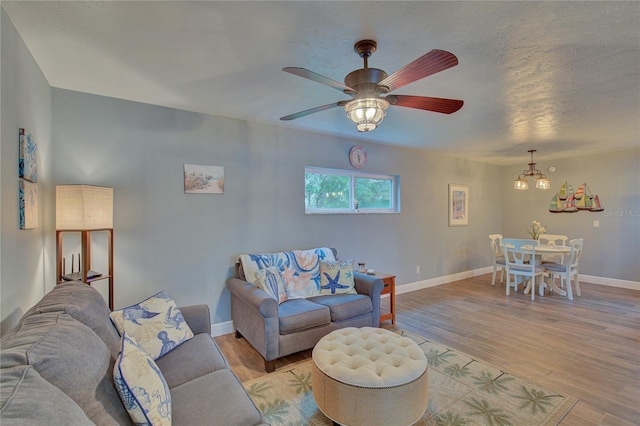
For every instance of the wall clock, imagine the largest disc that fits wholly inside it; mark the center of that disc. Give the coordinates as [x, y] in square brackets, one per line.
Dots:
[357, 156]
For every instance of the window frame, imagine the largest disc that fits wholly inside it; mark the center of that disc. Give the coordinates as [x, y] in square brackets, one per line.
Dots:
[353, 175]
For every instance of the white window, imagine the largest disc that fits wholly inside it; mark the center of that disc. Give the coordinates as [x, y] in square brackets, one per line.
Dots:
[347, 192]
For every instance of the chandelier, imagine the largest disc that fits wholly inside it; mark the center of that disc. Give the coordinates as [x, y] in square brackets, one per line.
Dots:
[541, 180]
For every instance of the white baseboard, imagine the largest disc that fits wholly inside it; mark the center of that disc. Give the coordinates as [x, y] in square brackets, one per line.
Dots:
[222, 328]
[227, 327]
[611, 282]
[432, 282]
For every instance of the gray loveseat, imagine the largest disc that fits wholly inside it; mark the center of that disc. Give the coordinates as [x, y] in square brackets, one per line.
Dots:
[276, 330]
[57, 368]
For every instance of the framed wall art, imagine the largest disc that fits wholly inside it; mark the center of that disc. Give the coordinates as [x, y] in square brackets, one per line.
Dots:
[458, 205]
[203, 179]
[28, 199]
[28, 160]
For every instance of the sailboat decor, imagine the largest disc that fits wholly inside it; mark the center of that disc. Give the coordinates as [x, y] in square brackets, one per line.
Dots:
[568, 201]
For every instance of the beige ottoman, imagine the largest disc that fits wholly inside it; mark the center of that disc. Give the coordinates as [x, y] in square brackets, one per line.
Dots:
[369, 376]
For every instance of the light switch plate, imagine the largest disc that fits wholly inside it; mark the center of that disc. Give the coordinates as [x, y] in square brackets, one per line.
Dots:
[596, 224]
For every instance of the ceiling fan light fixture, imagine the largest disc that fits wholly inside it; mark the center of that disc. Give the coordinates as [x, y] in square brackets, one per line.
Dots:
[542, 182]
[366, 113]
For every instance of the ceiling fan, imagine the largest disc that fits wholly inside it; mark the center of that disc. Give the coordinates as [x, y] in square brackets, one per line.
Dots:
[370, 87]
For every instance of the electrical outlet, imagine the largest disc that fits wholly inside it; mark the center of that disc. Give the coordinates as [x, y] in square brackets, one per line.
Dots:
[596, 224]
[417, 269]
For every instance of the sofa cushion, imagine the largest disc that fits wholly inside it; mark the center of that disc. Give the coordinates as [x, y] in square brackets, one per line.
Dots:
[336, 277]
[85, 304]
[192, 359]
[345, 306]
[300, 269]
[300, 314]
[156, 324]
[69, 355]
[217, 398]
[27, 398]
[141, 386]
[271, 282]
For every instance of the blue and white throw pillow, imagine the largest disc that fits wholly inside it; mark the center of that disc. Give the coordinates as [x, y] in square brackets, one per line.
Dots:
[270, 280]
[156, 323]
[336, 277]
[141, 386]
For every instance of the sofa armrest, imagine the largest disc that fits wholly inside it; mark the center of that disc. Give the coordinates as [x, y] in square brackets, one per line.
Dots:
[371, 286]
[368, 284]
[254, 297]
[255, 316]
[198, 318]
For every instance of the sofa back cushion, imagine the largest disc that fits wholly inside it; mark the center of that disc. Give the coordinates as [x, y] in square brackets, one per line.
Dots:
[85, 304]
[300, 269]
[27, 398]
[70, 356]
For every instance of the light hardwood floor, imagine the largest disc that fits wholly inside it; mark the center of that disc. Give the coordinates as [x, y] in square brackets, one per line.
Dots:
[588, 347]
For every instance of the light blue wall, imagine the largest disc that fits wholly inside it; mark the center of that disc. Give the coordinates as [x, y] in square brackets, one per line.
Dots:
[613, 249]
[187, 244]
[26, 261]
[165, 239]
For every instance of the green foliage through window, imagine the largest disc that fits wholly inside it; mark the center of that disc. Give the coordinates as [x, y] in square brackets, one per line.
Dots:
[343, 191]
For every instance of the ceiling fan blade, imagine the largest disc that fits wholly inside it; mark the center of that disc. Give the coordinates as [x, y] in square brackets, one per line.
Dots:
[444, 106]
[314, 76]
[426, 65]
[311, 111]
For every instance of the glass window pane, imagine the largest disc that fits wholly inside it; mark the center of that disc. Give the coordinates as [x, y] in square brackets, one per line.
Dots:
[325, 191]
[374, 193]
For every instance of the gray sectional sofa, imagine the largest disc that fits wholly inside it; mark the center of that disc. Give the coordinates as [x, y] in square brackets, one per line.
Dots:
[276, 330]
[57, 363]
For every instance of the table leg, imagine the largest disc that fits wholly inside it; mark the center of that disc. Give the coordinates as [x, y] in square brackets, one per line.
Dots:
[552, 286]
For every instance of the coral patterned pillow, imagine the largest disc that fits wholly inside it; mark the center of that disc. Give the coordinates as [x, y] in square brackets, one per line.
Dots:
[141, 386]
[336, 277]
[156, 323]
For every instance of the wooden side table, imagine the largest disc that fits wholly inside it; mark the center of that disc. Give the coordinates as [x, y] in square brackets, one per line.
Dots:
[390, 289]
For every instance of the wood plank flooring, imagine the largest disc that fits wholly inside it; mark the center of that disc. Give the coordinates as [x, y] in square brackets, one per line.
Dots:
[588, 347]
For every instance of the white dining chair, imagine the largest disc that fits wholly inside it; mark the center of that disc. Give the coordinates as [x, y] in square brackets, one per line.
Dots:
[518, 264]
[568, 268]
[497, 257]
[553, 240]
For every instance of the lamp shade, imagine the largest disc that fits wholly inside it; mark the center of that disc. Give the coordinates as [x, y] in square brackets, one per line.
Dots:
[84, 207]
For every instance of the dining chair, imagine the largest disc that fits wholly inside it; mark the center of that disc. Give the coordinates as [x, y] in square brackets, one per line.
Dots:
[569, 267]
[553, 240]
[497, 257]
[516, 258]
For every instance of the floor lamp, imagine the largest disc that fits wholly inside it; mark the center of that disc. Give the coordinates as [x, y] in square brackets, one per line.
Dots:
[85, 208]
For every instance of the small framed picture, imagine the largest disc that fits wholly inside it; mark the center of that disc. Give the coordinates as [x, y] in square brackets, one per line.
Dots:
[458, 205]
[203, 179]
[28, 194]
[28, 157]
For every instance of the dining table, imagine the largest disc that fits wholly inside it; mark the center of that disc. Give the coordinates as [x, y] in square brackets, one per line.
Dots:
[546, 249]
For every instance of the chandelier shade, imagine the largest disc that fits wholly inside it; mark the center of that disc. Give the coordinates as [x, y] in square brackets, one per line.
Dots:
[542, 182]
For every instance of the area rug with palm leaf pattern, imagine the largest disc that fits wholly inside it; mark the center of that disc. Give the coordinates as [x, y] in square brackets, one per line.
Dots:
[462, 391]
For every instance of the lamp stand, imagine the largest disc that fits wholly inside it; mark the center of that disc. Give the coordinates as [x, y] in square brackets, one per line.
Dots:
[85, 238]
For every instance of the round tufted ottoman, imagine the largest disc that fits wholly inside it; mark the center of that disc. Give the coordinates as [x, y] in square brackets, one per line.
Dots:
[369, 376]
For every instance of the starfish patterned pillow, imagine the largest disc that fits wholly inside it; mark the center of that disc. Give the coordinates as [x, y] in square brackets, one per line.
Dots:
[336, 277]
[156, 323]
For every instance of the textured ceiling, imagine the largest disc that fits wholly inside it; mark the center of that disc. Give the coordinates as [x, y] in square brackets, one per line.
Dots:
[560, 77]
